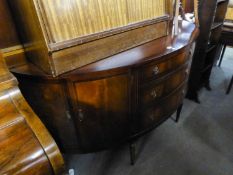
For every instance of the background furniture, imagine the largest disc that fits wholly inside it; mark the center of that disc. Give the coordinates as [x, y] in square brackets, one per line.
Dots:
[26, 147]
[211, 17]
[226, 40]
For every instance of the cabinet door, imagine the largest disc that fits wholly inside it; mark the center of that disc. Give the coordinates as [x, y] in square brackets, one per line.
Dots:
[102, 112]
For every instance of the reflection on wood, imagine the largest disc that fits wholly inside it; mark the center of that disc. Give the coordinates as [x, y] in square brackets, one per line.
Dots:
[26, 147]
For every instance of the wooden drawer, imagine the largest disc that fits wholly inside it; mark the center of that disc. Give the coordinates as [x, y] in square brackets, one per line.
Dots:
[158, 89]
[152, 116]
[154, 70]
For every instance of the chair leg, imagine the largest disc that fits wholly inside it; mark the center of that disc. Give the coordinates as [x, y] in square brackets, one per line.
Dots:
[222, 55]
[178, 113]
[230, 86]
[132, 148]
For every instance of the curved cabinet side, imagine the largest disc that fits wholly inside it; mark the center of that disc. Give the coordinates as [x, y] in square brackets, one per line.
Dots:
[26, 147]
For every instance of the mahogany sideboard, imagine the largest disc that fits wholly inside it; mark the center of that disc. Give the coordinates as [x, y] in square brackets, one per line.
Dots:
[116, 99]
[26, 147]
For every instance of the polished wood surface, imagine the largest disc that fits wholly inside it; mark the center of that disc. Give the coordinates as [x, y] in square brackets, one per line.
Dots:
[102, 15]
[188, 6]
[115, 99]
[26, 147]
[60, 36]
[10, 45]
[8, 34]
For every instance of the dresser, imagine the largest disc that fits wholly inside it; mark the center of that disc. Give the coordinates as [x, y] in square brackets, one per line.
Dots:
[26, 147]
[116, 99]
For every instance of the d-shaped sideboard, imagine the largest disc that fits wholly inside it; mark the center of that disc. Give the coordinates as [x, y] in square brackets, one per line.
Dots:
[115, 99]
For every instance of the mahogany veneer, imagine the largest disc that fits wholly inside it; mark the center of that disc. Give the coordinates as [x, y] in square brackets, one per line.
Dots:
[115, 99]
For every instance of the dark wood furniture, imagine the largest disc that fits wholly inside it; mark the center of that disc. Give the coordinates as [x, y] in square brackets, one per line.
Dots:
[116, 99]
[226, 40]
[26, 146]
[211, 17]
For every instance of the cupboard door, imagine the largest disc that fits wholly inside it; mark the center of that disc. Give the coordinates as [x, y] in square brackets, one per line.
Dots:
[102, 112]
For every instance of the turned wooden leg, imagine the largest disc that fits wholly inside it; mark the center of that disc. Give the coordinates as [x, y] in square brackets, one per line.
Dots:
[178, 113]
[230, 86]
[132, 148]
[222, 55]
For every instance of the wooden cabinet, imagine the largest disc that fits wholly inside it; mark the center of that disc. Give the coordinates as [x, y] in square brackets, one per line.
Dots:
[116, 99]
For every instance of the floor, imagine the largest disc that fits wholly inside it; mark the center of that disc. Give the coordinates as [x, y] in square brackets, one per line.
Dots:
[200, 144]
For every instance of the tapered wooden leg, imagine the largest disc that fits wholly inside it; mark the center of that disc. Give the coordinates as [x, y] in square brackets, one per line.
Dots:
[222, 55]
[132, 148]
[230, 86]
[178, 113]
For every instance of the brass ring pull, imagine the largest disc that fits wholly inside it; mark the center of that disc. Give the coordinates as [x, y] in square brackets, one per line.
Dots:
[186, 72]
[80, 115]
[183, 92]
[156, 70]
[154, 94]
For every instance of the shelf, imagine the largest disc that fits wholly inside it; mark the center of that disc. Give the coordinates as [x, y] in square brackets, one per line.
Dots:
[216, 25]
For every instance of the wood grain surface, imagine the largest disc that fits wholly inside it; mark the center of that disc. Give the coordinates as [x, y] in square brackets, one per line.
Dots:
[26, 147]
[80, 17]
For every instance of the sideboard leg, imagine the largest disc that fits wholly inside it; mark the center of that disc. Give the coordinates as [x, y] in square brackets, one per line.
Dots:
[230, 86]
[132, 148]
[178, 113]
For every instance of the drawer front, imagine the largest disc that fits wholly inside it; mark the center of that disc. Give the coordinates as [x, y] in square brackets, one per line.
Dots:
[156, 90]
[154, 70]
[154, 115]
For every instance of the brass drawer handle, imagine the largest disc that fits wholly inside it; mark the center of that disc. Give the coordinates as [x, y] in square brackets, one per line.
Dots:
[154, 94]
[80, 115]
[186, 72]
[68, 115]
[156, 70]
[183, 92]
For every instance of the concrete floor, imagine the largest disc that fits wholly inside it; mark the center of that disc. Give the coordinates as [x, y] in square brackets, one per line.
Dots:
[200, 144]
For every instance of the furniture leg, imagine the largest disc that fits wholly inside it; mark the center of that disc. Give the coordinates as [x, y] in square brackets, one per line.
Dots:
[207, 86]
[132, 148]
[178, 113]
[230, 86]
[222, 55]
